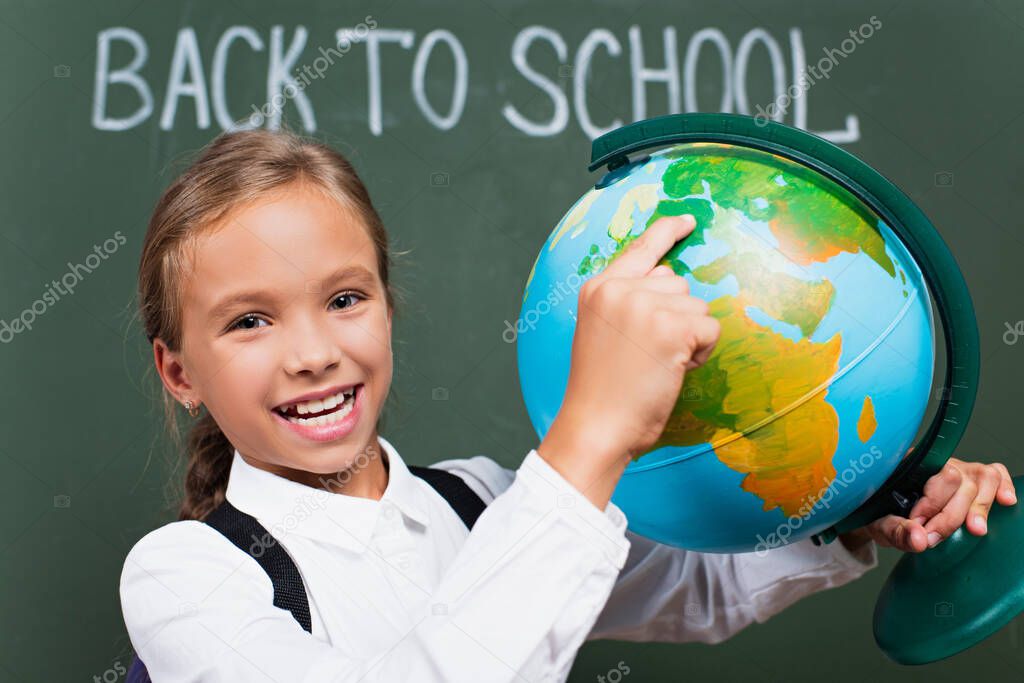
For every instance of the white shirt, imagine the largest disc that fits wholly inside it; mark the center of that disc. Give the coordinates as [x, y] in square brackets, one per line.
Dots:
[399, 590]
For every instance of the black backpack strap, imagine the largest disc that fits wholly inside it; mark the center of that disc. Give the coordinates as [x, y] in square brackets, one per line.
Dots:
[253, 539]
[464, 500]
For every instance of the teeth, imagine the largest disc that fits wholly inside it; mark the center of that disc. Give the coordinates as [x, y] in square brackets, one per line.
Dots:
[319, 404]
[345, 409]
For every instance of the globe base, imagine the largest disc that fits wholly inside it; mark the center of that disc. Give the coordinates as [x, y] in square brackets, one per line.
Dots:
[946, 599]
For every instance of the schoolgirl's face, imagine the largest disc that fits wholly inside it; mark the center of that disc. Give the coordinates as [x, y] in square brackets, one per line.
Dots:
[287, 334]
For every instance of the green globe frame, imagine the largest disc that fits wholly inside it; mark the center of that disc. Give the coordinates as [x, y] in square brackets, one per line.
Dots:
[981, 579]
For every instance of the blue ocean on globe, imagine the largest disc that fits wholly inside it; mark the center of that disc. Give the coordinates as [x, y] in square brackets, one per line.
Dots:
[822, 373]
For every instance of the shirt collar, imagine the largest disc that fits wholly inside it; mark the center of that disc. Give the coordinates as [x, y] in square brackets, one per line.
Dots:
[286, 507]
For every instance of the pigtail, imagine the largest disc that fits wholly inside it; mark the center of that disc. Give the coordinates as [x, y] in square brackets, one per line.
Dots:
[209, 456]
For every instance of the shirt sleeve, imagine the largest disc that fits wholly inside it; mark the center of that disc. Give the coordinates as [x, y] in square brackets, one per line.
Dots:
[669, 594]
[518, 600]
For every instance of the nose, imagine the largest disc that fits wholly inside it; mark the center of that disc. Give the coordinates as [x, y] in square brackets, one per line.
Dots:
[311, 348]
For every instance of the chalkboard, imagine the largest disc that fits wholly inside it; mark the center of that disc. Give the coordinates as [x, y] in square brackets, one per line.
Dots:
[470, 123]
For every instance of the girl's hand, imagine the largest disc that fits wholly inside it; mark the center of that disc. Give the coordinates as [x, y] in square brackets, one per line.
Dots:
[637, 334]
[959, 491]
[638, 331]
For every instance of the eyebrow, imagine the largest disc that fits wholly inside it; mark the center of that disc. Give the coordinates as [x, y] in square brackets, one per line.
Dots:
[225, 307]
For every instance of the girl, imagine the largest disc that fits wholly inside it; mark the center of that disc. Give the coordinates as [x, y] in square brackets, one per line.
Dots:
[247, 258]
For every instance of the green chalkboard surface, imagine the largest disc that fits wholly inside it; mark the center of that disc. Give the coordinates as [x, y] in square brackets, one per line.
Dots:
[470, 123]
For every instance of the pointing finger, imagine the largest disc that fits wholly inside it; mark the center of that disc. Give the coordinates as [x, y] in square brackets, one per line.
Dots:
[643, 254]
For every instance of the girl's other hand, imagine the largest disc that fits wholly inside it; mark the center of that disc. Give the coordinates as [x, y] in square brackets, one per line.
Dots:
[960, 492]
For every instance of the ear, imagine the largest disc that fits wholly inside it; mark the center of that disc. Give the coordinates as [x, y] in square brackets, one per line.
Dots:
[172, 372]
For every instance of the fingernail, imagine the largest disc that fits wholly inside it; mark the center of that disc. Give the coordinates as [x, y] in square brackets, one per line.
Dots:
[919, 520]
[933, 539]
[979, 521]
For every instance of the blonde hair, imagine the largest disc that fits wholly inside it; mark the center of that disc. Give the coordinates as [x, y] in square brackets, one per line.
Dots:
[234, 168]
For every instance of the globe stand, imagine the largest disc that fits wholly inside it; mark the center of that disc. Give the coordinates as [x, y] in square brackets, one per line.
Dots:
[947, 598]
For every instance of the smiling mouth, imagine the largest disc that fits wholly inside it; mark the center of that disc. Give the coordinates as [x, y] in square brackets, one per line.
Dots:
[323, 411]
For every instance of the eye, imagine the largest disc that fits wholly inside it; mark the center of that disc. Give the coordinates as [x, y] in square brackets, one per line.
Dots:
[238, 324]
[348, 295]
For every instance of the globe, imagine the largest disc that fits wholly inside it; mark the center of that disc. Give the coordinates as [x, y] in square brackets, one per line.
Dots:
[823, 369]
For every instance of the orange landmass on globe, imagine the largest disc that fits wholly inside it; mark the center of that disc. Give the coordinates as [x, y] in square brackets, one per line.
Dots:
[866, 423]
[754, 377]
[783, 297]
[797, 226]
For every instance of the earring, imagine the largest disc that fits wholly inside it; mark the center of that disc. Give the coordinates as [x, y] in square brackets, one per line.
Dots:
[193, 411]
